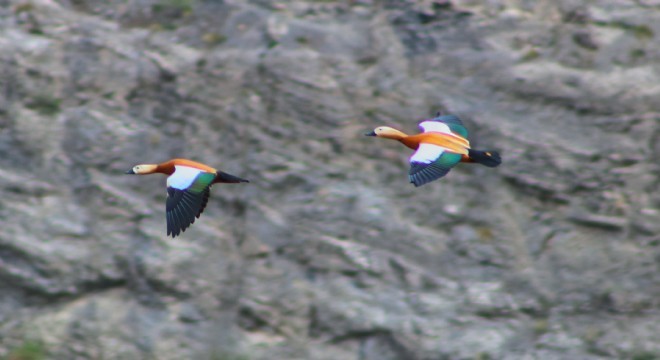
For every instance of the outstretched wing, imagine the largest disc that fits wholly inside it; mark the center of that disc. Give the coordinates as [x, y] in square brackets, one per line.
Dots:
[431, 162]
[186, 199]
[205, 199]
[181, 208]
[449, 124]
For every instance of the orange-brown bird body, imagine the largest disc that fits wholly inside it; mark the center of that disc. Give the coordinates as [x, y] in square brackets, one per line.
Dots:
[188, 189]
[442, 144]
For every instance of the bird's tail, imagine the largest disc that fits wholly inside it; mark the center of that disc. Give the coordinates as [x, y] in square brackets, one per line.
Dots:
[487, 158]
[223, 177]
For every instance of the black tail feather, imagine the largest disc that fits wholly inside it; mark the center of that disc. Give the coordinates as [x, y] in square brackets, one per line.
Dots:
[223, 177]
[488, 158]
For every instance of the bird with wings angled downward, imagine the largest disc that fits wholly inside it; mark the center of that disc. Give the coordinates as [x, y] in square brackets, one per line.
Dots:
[188, 189]
[442, 144]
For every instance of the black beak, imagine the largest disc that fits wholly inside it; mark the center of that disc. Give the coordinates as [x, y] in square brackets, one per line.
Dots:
[373, 133]
[131, 172]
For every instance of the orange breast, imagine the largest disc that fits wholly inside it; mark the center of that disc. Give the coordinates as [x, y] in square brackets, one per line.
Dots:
[410, 141]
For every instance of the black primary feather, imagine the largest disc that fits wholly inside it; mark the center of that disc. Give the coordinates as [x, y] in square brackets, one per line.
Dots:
[182, 207]
[421, 173]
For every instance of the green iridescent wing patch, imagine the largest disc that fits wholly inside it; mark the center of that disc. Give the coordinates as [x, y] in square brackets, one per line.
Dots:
[455, 124]
[422, 173]
[201, 182]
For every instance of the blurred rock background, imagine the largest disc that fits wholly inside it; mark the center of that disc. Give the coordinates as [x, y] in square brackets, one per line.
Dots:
[329, 253]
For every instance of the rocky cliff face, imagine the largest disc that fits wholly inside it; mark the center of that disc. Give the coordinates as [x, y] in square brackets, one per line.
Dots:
[329, 253]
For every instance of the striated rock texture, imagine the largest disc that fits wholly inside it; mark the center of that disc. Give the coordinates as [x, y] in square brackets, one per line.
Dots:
[329, 253]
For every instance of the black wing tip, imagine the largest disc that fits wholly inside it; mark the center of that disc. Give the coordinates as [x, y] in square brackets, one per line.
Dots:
[172, 230]
[177, 232]
[417, 183]
[417, 177]
[421, 173]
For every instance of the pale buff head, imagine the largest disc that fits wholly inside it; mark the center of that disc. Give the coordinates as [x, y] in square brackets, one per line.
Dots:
[387, 132]
[143, 169]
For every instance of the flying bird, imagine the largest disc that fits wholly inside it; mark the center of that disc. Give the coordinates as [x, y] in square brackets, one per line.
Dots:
[440, 146]
[188, 189]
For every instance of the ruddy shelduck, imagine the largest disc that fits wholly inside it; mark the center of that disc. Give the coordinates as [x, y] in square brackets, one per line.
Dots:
[188, 189]
[442, 144]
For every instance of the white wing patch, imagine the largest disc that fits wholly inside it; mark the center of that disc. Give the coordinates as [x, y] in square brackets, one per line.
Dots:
[183, 177]
[435, 126]
[427, 153]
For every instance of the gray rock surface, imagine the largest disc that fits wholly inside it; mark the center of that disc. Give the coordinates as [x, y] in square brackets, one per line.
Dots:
[329, 253]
